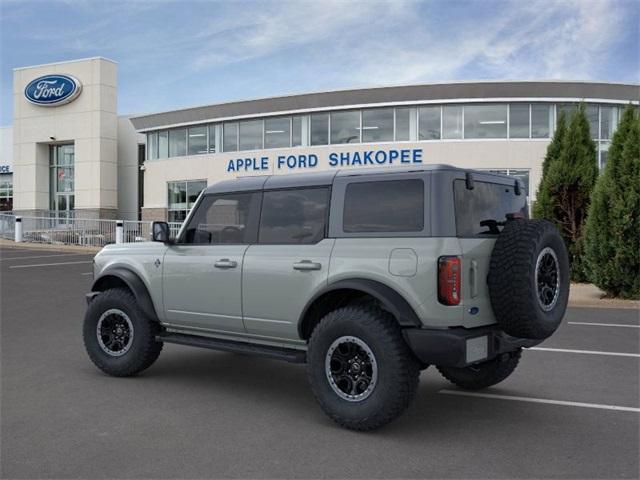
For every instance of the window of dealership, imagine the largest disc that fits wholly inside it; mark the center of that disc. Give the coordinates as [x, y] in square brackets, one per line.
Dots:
[61, 163]
[6, 192]
[445, 122]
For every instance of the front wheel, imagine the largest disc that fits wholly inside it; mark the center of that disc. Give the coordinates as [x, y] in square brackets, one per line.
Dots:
[119, 338]
[485, 374]
[361, 371]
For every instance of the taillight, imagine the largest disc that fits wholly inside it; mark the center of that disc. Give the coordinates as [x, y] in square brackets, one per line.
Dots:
[449, 272]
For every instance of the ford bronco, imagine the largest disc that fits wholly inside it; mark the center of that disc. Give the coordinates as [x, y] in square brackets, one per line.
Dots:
[367, 276]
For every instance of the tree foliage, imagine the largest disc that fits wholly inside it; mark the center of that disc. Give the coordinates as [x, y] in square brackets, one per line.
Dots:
[543, 207]
[567, 185]
[612, 236]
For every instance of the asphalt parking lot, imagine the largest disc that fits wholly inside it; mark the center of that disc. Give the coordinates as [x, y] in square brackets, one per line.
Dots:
[203, 414]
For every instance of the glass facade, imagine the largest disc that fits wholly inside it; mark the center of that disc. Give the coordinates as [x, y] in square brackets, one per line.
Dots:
[485, 121]
[296, 131]
[452, 121]
[403, 124]
[475, 121]
[6, 192]
[320, 129]
[163, 144]
[197, 140]
[377, 125]
[230, 137]
[251, 135]
[277, 132]
[519, 120]
[61, 179]
[345, 127]
[429, 123]
[541, 120]
[178, 142]
[181, 197]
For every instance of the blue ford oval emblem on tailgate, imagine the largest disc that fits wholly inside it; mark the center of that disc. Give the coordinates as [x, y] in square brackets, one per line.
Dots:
[52, 90]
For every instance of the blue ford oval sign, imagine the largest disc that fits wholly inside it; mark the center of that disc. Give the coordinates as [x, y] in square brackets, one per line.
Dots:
[53, 90]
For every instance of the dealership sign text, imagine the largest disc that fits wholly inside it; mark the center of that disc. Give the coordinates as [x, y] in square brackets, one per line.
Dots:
[363, 158]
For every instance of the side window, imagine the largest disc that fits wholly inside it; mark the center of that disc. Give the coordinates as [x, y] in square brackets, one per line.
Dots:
[384, 206]
[296, 216]
[227, 218]
[479, 211]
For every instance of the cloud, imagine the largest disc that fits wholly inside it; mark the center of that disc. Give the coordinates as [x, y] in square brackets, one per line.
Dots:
[527, 40]
[407, 42]
[255, 31]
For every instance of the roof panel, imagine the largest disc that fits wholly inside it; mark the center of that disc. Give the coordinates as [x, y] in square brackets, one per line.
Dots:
[396, 94]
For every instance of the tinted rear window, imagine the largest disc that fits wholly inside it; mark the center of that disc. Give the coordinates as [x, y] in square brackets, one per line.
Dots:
[384, 206]
[487, 203]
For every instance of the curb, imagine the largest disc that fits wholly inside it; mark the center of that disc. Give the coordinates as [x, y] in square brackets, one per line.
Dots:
[47, 247]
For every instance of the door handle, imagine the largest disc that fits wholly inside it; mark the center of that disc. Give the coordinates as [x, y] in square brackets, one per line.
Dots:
[307, 265]
[225, 263]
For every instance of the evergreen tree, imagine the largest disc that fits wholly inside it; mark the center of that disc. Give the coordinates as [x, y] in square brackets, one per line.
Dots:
[543, 207]
[569, 182]
[612, 235]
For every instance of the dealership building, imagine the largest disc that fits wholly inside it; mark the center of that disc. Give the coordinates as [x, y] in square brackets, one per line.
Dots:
[70, 152]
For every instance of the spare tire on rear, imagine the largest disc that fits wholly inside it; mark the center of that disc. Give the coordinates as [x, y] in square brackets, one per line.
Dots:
[529, 279]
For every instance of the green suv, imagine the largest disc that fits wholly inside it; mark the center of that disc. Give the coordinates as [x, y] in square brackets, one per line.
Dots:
[367, 276]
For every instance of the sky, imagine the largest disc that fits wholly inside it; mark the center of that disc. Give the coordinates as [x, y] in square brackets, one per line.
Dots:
[176, 54]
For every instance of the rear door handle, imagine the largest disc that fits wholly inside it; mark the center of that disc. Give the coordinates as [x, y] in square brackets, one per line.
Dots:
[307, 265]
[225, 263]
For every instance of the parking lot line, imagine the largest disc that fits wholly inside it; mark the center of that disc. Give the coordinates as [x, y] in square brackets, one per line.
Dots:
[50, 264]
[604, 324]
[44, 256]
[87, 273]
[588, 352]
[540, 400]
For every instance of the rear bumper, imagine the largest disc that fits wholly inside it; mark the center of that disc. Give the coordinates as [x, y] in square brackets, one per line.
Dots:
[460, 347]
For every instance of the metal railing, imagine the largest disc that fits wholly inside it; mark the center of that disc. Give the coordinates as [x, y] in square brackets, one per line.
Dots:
[78, 231]
[136, 231]
[7, 226]
[68, 231]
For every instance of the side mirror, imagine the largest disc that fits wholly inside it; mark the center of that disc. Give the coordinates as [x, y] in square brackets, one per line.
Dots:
[160, 232]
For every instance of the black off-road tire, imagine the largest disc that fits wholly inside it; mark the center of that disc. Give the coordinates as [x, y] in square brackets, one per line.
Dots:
[144, 349]
[512, 283]
[397, 369]
[483, 375]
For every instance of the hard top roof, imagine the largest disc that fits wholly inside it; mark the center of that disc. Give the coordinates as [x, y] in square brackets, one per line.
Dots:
[324, 178]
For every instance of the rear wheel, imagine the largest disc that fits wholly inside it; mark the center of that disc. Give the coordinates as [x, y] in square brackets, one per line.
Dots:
[485, 374]
[361, 371]
[118, 336]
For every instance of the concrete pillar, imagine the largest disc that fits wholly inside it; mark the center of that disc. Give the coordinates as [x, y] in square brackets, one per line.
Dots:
[18, 230]
[119, 231]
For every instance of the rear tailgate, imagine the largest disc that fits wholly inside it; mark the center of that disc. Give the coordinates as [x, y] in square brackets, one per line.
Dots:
[476, 255]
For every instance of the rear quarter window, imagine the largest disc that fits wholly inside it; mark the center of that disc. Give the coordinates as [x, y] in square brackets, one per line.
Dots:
[479, 211]
[384, 206]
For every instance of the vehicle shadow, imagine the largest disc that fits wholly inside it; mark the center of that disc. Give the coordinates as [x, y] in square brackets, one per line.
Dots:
[284, 386]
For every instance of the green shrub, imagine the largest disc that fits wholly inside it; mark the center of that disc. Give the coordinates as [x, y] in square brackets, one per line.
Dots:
[566, 187]
[612, 236]
[543, 207]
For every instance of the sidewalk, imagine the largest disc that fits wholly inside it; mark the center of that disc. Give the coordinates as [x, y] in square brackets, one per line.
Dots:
[46, 246]
[588, 295]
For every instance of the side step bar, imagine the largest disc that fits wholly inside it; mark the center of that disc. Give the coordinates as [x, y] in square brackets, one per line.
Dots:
[279, 353]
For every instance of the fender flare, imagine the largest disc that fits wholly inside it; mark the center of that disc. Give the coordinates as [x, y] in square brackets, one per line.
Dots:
[390, 299]
[135, 284]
